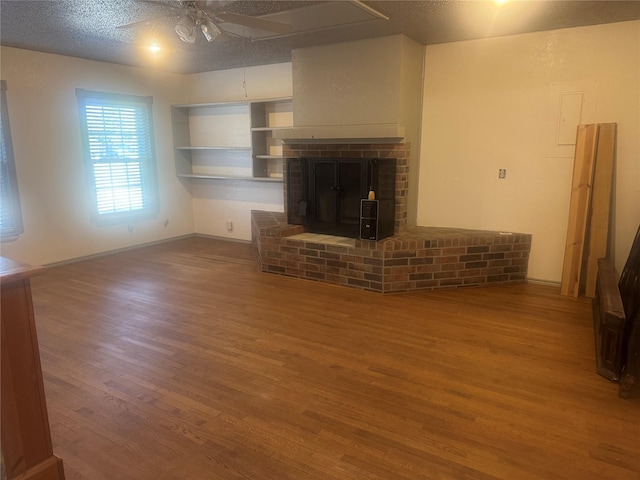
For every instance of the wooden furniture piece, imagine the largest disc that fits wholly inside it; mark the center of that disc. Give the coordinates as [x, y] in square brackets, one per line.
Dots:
[608, 322]
[26, 439]
[616, 316]
[629, 287]
[230, 140]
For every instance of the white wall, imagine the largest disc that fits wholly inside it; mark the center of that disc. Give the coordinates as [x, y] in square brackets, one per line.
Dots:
[487, 106]
[216, 202]
[353, 83]
[47, 145]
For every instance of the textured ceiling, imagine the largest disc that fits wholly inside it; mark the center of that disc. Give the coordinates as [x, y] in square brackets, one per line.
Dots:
[88, 28]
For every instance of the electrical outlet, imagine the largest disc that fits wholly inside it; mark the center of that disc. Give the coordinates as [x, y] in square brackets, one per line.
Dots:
[502, 173]
[229, 225]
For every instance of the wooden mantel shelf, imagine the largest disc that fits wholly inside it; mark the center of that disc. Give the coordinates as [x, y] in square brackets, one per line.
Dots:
[26, 438]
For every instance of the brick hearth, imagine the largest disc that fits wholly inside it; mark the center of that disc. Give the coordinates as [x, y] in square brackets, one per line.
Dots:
[418, 258]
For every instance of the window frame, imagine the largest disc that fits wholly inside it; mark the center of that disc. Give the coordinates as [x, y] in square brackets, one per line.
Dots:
[149, 182]
[17, 226]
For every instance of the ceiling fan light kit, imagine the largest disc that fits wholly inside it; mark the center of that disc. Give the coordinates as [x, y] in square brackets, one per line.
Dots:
[192, 20]
[210, 30]
[186, 29]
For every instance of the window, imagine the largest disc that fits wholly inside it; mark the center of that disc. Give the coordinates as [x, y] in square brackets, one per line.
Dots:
[10, 214]
[119, 153]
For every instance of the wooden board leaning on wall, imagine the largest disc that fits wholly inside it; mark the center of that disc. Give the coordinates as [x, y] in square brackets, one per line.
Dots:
[590, 207]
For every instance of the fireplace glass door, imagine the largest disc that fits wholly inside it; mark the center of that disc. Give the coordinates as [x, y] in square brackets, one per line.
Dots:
[336, 188]
[325, 194]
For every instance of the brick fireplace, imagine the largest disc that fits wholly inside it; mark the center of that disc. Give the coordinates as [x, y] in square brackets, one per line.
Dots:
[414, 258]
[397, 150]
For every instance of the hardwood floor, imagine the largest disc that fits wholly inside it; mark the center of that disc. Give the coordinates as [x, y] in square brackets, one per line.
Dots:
[182, 361]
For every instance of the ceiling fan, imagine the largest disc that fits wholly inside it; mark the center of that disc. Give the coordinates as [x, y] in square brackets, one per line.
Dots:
[208, 18]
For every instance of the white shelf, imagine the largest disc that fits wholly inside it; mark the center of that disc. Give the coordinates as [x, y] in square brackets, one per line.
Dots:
[231, 177]
[186, 147]
[188, 106]
[269, 129]
[210, 127]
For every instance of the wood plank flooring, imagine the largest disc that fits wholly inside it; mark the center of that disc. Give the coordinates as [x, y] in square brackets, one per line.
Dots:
[182, 361]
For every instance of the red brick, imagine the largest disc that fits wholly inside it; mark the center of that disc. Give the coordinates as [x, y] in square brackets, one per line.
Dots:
[472, 273]
[475, 280]
[426, 283]
[294, 272]
[358, 282]
[309, 267]
[398, 287]
[440, 275]
[315, 261]
[454, 251]
[448, 259]
[315, 275]
[430, 252]
[337, 279]
[447, 267]
[428, 268]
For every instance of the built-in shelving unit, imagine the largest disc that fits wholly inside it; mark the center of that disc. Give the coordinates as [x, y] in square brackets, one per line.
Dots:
[231, 140]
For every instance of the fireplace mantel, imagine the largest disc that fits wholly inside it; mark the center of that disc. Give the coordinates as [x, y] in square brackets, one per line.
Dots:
[342, 134]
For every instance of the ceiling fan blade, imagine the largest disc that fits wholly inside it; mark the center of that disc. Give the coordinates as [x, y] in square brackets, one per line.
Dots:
[223, 37]
[254, 22]
[161, 4]
[212, 5]
[147, 21]
[175, 9]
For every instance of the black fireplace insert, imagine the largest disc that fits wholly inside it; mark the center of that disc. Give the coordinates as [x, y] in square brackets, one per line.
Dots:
[325, 194]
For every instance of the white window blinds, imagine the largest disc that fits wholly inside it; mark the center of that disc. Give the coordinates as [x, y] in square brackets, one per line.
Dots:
[118, 137]
[10, 214]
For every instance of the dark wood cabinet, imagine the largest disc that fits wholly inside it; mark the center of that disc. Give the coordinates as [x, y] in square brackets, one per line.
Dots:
[27, 451]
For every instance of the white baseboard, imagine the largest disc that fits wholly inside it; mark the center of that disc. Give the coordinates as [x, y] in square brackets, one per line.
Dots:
[117, 250]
